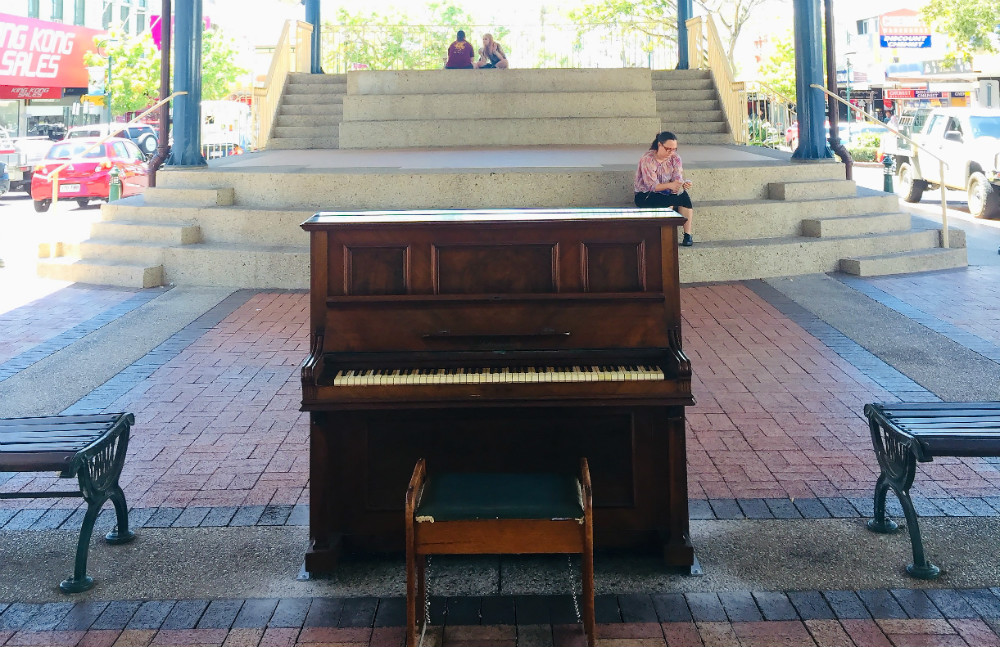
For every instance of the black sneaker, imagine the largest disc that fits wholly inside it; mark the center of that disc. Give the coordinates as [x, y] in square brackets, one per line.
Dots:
[688, 241]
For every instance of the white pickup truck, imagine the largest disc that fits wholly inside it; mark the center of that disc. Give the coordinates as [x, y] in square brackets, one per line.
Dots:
[968, 140]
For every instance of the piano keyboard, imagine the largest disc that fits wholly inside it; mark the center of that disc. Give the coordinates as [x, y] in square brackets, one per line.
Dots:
[497, 375]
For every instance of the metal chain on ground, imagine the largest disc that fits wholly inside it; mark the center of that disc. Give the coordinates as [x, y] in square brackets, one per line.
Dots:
[427, 600]
[572, 587]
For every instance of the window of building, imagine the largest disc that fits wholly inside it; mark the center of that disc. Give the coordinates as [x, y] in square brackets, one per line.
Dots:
[80, 12]
[106, 16]
[57, 10]
[33, 9]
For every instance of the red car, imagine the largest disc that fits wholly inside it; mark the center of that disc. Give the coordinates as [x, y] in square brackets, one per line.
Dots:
[87, 176]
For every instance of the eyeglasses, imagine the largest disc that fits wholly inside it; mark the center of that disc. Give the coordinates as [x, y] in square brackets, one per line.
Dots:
[669, 148]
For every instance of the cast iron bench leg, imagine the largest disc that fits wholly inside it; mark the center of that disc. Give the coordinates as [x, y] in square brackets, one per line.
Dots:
[899, 467]
[98, 476]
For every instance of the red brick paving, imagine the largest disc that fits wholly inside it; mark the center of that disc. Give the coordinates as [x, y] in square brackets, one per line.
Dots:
[34, 323]
[778, 415]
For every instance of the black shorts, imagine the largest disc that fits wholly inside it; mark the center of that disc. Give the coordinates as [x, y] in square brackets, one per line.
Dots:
[656, 200]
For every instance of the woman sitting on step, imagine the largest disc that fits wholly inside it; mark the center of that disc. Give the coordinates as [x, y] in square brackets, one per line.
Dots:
[491, 55]
[660, 183]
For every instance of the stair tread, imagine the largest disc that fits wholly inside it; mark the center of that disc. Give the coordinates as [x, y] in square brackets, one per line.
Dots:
[928, 251]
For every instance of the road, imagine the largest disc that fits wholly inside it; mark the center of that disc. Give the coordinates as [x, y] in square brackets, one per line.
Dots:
[22, 231]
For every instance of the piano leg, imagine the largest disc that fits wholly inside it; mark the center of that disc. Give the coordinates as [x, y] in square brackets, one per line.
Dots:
[669, 445]
[325, 458]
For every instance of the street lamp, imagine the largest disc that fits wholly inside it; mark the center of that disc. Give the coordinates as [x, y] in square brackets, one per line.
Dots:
[847, 93]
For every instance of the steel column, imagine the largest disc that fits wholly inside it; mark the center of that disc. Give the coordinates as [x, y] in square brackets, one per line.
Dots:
[809, 70]
[187, 77]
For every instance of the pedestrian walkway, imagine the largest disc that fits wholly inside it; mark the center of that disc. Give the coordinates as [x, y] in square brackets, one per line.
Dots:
[780, 466]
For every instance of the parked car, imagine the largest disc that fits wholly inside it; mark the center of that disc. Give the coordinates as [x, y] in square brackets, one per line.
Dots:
[4, 179]
[143, 135]
[20, 155]
[87, 177]
[968, 140]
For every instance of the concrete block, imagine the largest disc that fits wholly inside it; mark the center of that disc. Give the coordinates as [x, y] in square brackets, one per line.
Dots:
[331, 141]
[500, 132]
[147, 232]
[856, 225]
[517, 105]
[811, 190]
[492, 81]
[128, 253]
[221, 265]
[101, 272]
[921, 260]
[190, 196]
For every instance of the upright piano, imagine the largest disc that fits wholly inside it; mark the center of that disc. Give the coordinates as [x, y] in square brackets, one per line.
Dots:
[495, 340]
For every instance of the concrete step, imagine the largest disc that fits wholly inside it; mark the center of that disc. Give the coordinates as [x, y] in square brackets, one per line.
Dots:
[687, 95]
[292, 121]
[737, 260]
[669, 106]
[856, 225]
[700, 138]
[514, 80]
[811, 190]
[295, 101]
[683, 116]
[311, 109]
[303, 143]
[218, 264]
[659, 75]
[749, 219]
[920, 260]
[329, 130]
[163, 233]
[516, 105]
[193, 196]
[317, 79]
[101, 272]
[501, 132]
[128, 252]
[682, 85]
[317, 89]
[705, 126]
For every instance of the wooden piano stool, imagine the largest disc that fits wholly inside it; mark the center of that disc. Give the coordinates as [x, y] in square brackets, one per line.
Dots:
[495, 514]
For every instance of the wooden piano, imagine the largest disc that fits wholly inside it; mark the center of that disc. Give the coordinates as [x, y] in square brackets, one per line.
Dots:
[495, 340]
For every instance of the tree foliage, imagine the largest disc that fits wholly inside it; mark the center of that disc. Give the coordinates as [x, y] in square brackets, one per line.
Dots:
[393, 42]
[971, 25]
[778, 71]
[655, 19]
[732, 16]
[135, 68]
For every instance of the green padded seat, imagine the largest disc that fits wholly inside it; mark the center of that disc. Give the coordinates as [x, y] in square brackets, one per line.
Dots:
[471, 497]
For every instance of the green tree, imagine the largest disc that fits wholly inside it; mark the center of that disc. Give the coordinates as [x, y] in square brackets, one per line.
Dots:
[732, 16]
[135, 68]
[392, 42]
[778, 71]
[971, 25]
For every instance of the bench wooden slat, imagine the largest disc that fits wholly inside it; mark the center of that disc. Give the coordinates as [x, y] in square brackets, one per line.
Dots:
[90, 427]
[51, 421]
[54, 436]
[940, 407]
[35, 461]
[985, 427]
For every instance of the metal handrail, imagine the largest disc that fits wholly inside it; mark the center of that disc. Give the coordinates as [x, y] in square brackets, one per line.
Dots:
[942, 164]
[53, 175]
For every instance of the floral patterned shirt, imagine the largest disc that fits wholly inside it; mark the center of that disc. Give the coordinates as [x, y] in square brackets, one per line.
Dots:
[652, 171]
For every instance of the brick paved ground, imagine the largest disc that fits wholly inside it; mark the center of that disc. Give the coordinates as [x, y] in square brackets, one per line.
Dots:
[777, 432]
[868, 618]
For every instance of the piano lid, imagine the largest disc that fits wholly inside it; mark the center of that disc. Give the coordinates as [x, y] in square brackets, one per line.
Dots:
[326, 219]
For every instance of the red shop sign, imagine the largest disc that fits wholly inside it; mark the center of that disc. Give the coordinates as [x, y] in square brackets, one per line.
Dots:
[37, 53]
[898, 94]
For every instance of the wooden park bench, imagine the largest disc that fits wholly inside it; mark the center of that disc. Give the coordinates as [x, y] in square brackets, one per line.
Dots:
[905, 433]
[496, 514]
[91, 448]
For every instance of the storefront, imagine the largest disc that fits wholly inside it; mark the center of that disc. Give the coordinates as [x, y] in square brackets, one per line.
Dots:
[43, 75]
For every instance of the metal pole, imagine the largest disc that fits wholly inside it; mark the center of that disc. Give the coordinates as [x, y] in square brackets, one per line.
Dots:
[944, 208]
[832, 107]
[162, 143]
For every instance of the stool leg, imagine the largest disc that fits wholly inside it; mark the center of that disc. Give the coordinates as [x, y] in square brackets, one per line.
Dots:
[589, 615]
[412, 588]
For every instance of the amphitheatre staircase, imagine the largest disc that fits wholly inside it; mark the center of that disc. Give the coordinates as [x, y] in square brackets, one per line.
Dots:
[407, 140]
